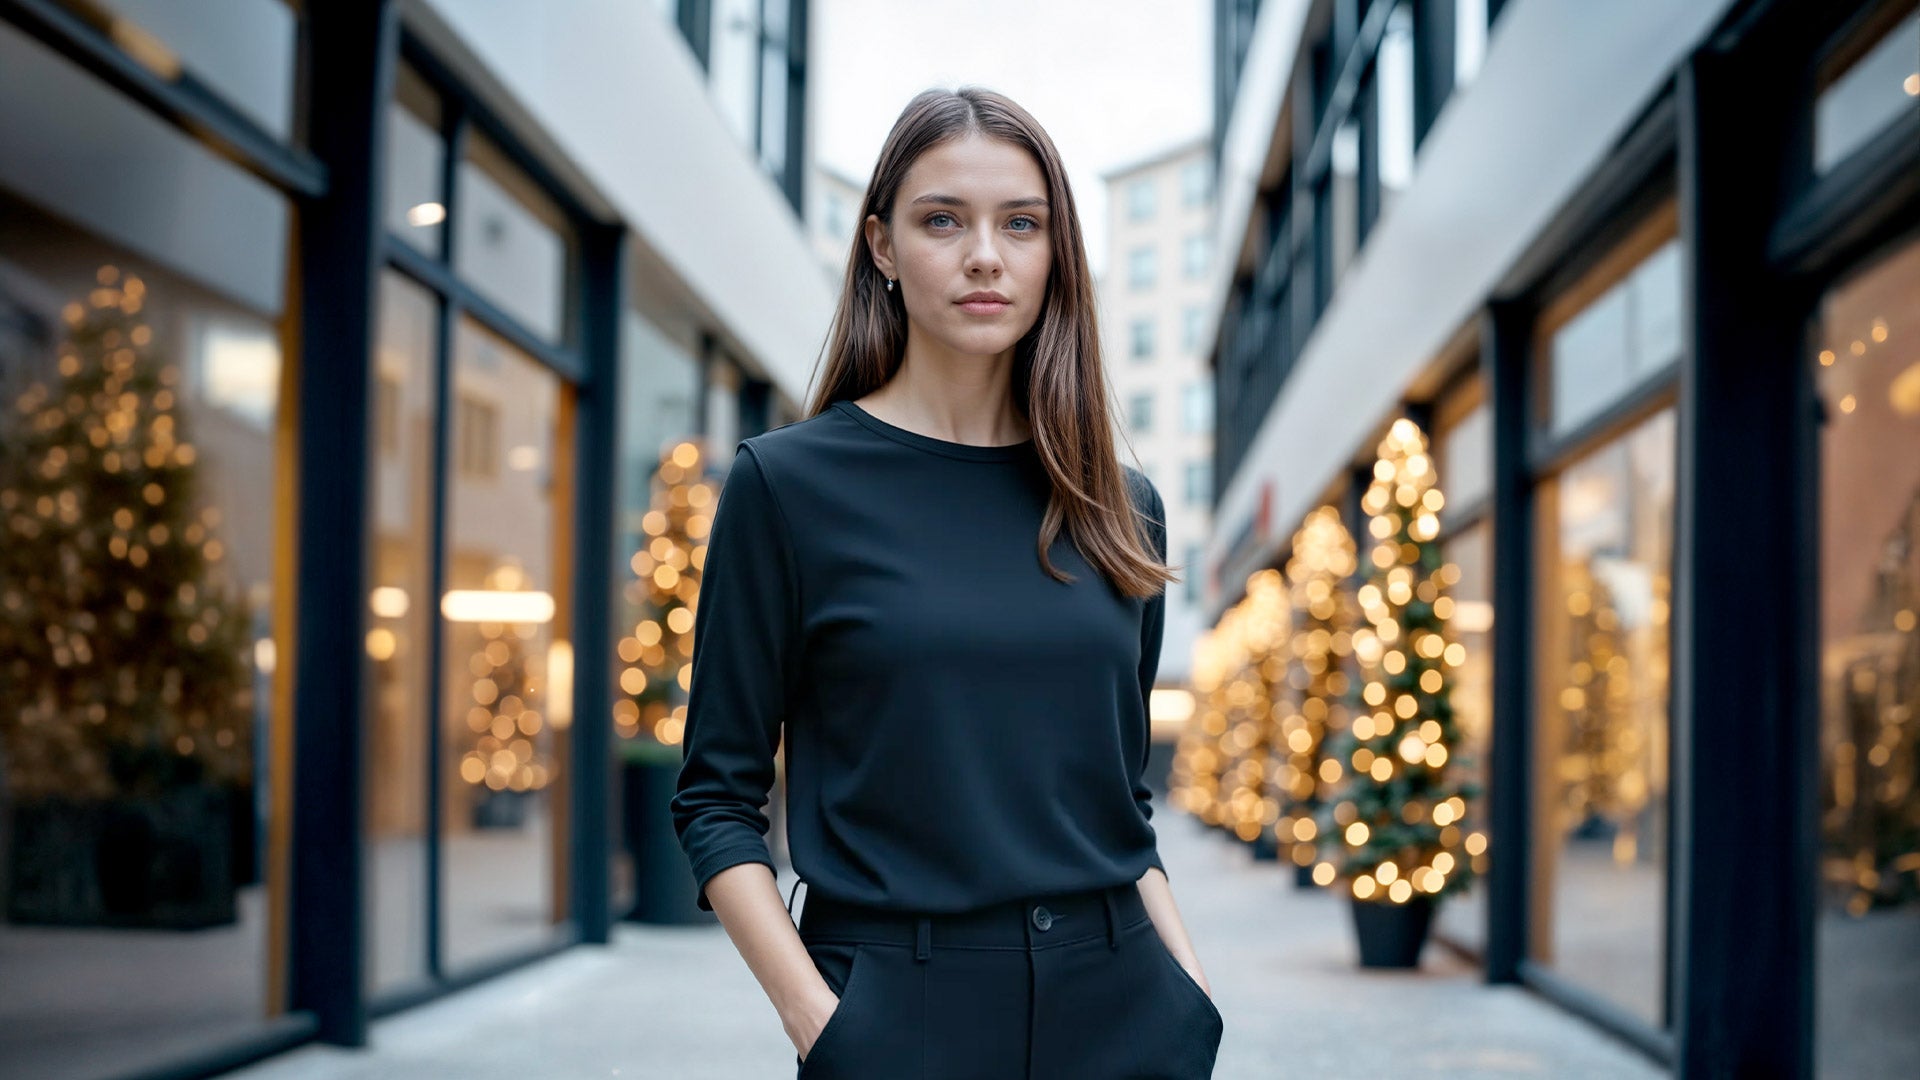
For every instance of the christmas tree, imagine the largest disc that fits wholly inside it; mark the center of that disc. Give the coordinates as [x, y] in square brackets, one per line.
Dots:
[1254, 794]
[509, 754]
[657, 656]
[124, 655]
[1314, 700]
[1871, 816]
[1394, 829]
[126, 698]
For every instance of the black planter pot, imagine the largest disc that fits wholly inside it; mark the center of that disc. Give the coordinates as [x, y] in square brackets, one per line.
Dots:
[1391, 935]
[1303, 877]
[663, 887]
[159, 860]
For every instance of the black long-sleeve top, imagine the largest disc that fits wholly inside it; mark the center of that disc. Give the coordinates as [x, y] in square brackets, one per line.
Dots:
[961, 728]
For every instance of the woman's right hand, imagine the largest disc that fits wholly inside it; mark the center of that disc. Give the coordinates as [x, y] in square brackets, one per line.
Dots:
[811, 1018]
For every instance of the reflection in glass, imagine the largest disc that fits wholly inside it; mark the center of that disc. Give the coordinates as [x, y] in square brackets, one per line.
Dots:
[1464, 917]
[1880, 82]
[511, 241]
[1625, 335]
[399, 620]
[242, 50]
[1868, 926]
[1395, 129]
[137, 659]
[1606, 528]
[416, 161]
[507, 669]
[1344, 198]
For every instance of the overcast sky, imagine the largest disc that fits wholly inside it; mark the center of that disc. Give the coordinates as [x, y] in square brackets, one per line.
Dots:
[1112, 81]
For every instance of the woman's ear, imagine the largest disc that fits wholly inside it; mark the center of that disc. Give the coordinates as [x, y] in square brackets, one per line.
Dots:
[881, 243]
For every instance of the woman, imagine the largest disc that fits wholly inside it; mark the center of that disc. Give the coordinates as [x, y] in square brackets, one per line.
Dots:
[949, 592]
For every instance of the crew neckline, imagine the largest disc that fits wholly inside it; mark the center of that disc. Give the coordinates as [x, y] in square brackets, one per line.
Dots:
[965, 451]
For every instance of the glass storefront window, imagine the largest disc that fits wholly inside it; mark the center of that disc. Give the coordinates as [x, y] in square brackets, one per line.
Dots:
[1868, 85]
[1605, 530]
[243, 51]
[510, 241]
[139, 703]
[1868, 922]
[1618, 340]
[416, 161]
[399, 624]
[1463, 918]
[506, 681]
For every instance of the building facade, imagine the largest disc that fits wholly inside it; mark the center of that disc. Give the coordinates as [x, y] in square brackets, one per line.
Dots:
[1152, 297]
[345, 350]
[1644, 275]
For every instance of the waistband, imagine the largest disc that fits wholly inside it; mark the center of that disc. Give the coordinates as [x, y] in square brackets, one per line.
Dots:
[1029, 922]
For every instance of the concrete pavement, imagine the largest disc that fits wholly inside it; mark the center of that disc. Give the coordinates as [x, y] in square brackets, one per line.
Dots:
[677, 1003]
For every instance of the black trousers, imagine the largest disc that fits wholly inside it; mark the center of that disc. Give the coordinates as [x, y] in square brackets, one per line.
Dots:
[1071, 986]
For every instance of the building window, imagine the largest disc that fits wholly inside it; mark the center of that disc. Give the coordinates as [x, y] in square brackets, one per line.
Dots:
[1192, 324]
[512, 241]
[1196, 182]
[1342, 201]
[1140, 268]
[1193, 256]
[1867, 372]
[1196, 407]
[1199, 482]
[1865, 87]
[1140, 413]
[1602, 657]
[1395, 152]
[1470, 20]
[1190, 588]
[477, 436]
[1618, 340]
[1141, 339]
[1140, 200]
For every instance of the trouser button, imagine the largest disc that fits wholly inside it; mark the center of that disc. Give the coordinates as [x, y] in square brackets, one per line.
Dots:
[1042, 919]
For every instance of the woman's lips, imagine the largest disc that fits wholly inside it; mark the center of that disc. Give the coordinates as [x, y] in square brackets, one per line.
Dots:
[984, 307]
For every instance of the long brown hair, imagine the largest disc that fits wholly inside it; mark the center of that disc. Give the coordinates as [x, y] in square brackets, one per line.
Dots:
[1059, 383]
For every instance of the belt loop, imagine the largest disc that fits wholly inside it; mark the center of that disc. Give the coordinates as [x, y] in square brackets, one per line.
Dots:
[923, 943]
[1113, 919]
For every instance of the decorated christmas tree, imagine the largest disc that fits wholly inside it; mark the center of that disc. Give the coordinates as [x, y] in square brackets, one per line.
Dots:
[125, 675]
[1313, 704]
[1253, 790]
[1394, 830]
[1871, 815]
[123, 651]
[509, 727]
[658, 653]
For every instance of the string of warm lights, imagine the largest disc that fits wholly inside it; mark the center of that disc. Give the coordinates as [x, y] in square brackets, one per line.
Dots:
[1395, 828]
[658, 652]
[1313, 703]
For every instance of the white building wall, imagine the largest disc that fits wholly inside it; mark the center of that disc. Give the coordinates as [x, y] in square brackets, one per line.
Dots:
[610, 91]
[1168, 447]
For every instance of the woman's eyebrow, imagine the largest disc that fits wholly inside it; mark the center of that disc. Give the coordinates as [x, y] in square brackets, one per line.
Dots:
[950, 200]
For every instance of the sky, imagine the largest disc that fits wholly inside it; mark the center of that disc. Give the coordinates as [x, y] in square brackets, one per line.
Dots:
[1112, 81]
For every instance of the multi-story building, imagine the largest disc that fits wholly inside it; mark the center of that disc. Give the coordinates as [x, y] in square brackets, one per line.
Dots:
[1153, 293]
[1644, 275]
[340, 344]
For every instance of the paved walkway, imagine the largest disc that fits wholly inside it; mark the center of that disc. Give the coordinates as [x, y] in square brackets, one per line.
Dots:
[676, 1003]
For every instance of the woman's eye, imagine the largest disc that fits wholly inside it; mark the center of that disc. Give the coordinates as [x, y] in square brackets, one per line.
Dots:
[935, 219]
[1029, 221]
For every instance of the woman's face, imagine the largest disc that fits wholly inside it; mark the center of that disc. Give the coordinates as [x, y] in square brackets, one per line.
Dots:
[971, 216]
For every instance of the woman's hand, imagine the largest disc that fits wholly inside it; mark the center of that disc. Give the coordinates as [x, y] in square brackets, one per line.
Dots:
[808, 1019]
